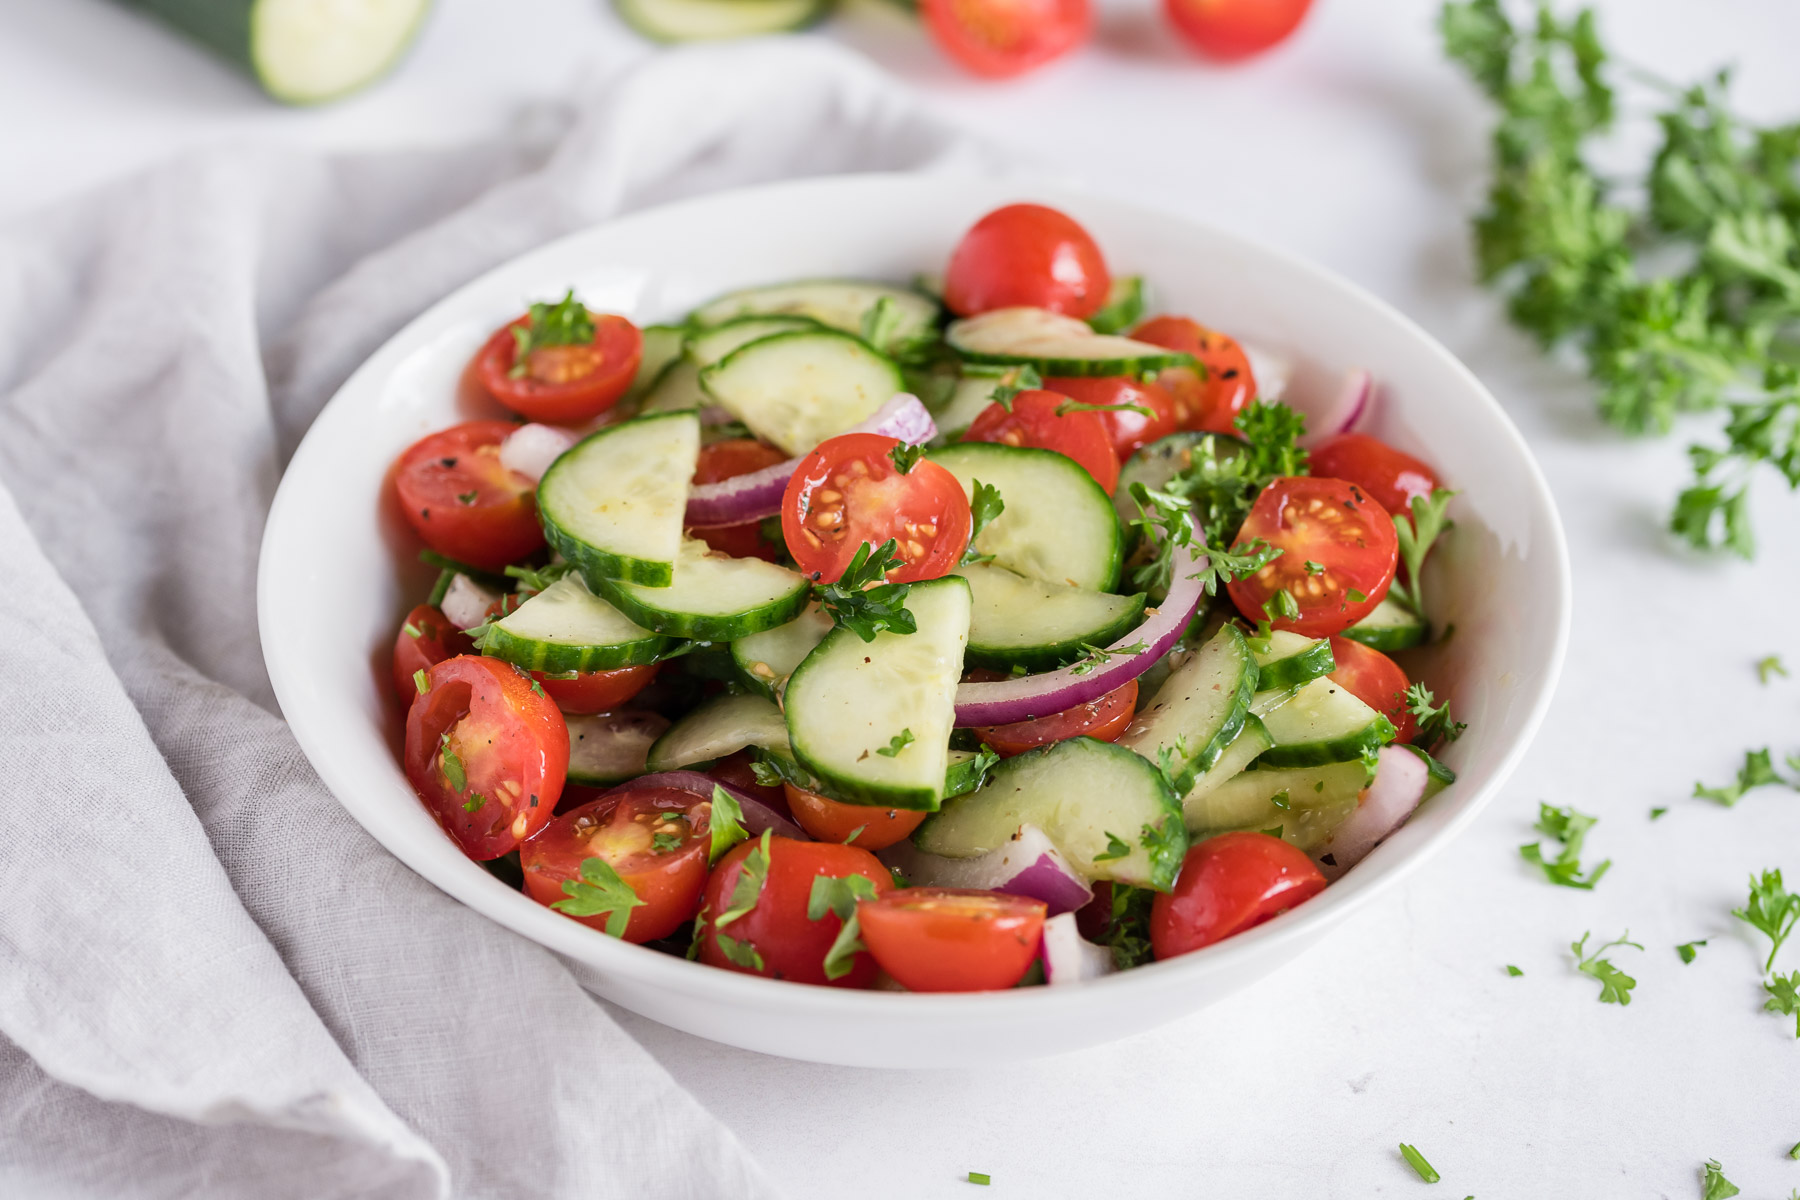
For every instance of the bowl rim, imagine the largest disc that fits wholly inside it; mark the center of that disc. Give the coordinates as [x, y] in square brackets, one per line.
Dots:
[1285, 934]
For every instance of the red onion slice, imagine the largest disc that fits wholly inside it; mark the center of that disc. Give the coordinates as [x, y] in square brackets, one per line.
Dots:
[530, 449]
[1343, 411]
[1009, 700]
[757, 815]
[757, 495]
[1400, 780]
[1070, 958]
[1028, 865]
[466, 602]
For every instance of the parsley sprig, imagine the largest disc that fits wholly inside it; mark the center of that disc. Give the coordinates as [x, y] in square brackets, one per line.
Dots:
[1167, 521]
[862, 601]
[985, 505]
[839, 896]
[1436, 725]
[1570, 828]
[599, 891]
[1721, 202]
[726, 823]
[1758, 771]
[1417, 533]
[1771, 909]
[1615, 985]
[564, 323]
[1784, 996]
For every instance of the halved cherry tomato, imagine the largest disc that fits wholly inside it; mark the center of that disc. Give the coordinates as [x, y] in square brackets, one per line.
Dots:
[1228, 884]
[848, 491]
[1334, 526]
[1208, 400]
[834, 821]
[1377, 681]
[569, 384]
[1045, 420]
[1142, 411]
[655, 838]
[728, 459]
[1232, 29]
[1105, 719]
[595, 691]
[486, 754]
[1025, 254]
[739, 771]
[426, 638]
[952, 939]
[1003, 38]
[776, 931]
[1392, 477]
[463, 501]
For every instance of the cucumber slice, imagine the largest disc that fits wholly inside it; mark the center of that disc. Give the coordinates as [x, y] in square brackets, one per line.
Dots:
[1054, 344]
[1040, 626]
[765, 660]
[964, 771]
[710, 345]
[677, 389]
[712, 597]
[713, 20]
[1124, 306]
[1059, 525]
[1154, 465]
[1306, 803]
[613, 503]
[969, 397]
[1392, 626]
[1323, 723]
[609, 748]
[1083, 793]
[723, 725]
[844, 304]
[566, 627]
[1199, 710]
[797, 389]
[1292, 660]
[1245, 748]
[851, 703]
[662, 347]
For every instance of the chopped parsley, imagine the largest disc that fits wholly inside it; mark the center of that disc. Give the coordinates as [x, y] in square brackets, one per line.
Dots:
[412, 631]
[1128, 929]
[896, 744]
[1772, 665]
[753, 872]
[474, 802]
[1416, 534]
[1714, 1185]
[663, 843]
[741, 954]
[1771, 910]
[1688, 950]
[1570, 828]
[1784, 996]
[1417, 1162]
[452, 766]
[903, 456]
[1115, 848]
[421, 682]
[1436, 725]
[1168, 525]
[1656, 813]
[862, 601]
[1313, 568]
[1757, 771]
[978, 1177]
[598, 892]
[467, 498]
[726, 822]
[985, 505]
[1012, 382]
[839, 896]
[1098, 656]
[565, 323]
[1513, 971]
[1615, 985]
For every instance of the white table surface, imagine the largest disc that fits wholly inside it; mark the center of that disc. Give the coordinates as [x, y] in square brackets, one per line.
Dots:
[1355, 145]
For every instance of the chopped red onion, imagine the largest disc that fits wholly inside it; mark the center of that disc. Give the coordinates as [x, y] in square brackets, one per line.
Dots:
[1400, 780]
[1342, 412]
[466, 602]
[530, 449]
[1070, 958]
[1027, 865]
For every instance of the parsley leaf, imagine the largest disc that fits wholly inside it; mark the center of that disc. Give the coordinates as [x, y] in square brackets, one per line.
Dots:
[1784, 996]
[753, 872]
[564, 323]
[1569, 827]
[1688, 950]
[1417, 1162]
[1756, 772]
[452, 767]
[1615, 985]
[1766, 667]
[1128, 929]
[662, 843]
[862, 601]
[1771, 909]
[903, 456]
[421, 682]
[839, 896]
[1098, 656]
[1166, 843]
[726, 822]
[1435, 722]
[985, 505]
[741, 954]
[1417, 533]
[896, 744]
[536, 579]
[1714, 1185]
[1013, 381]
[599, 891]
[1115, 848]
[474, 802]
[1513, 971]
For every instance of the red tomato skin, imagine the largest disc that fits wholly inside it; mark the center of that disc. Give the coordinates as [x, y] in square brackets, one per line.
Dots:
[612, 361]
[728, 459]
[1127, 430]
[596, 691]
[851, 481]
[1033, 421]
[792, 947]
[499, 526]
[953, 939]
[1391, 476]
[1000, 40]
[1377, 681]
[1026, 254]
[513, 745]
[1206, 401]
[831, 820]
[437, 639]
[669, 884]
[1363, 558]
[1104, 719]
[1234, 29]
[1228, 884]
[738, 771]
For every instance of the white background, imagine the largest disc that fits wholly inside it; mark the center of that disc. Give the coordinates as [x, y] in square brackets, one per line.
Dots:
[1355, 145]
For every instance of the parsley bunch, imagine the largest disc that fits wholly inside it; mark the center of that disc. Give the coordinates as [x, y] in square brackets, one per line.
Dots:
[1722, 203]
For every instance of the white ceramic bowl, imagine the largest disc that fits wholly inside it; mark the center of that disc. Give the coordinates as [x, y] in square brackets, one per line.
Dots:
[1502, 577]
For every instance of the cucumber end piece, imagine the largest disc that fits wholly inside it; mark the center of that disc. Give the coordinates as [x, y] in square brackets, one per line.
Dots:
[307, 52]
